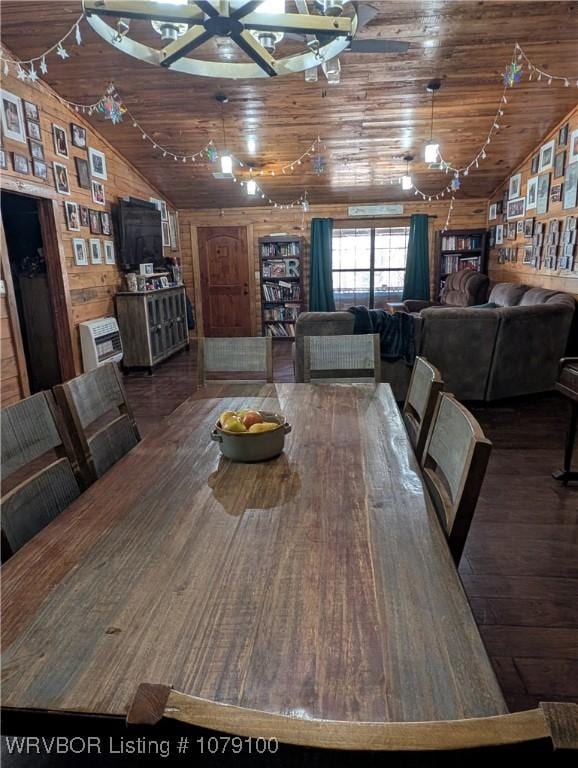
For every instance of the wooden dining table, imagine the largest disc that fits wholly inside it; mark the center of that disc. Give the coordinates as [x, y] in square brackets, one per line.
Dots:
[318, 584]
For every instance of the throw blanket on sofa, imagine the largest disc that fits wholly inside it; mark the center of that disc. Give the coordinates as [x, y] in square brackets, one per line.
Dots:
[395, 332]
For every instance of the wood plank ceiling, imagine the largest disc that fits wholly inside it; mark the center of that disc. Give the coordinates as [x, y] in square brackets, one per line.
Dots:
[379, 112]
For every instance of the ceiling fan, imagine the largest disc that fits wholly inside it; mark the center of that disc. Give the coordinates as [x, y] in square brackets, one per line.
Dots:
[257, 27]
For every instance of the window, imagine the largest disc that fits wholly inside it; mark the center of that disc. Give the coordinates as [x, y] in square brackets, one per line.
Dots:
[368, 265]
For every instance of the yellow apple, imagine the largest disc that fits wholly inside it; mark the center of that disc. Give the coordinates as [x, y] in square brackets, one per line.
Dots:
[234, 425]
[265, 426]
[225, 416]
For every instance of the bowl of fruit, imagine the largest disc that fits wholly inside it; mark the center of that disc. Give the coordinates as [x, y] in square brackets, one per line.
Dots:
[249, 435]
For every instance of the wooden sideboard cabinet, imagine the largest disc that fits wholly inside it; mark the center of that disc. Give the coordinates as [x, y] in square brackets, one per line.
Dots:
[153, 326]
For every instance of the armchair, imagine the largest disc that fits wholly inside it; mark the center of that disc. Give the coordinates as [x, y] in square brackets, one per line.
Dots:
[462, 289]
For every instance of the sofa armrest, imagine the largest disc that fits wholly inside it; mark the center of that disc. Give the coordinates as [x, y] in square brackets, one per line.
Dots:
[416, 305]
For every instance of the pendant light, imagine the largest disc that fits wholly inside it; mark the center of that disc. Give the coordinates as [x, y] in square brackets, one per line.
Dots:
[431, 150]
[226, 159]
[406, 180]
[252, 187]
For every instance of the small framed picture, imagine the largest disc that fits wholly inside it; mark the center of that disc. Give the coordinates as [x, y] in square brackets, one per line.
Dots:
[571, 185]
[164, 211]
[105, 223]
[72, 216]
[535, 164]
[499, 234]
[164, 282]
[31, 111]
[61, 178]
[520, 227]
[543, 193]
[528, 252]
[563, 135]
[147, 268]
[515, 186]
[547, 156]
[493, 212]
[556, 193]
[80, 254]
[511, 230]
[95, 251]
[83, 215]
[516, 208]
[97, 162]
[36, 149]
[33, 129]
[98, 193]
[60, 140]
[500, 207]
[573, 151]
[532, 193]
[109, 257]
[20, 163]
[559, 163]
[82, 172]
[78, 135]
[12, 117]
[528, 227]
[40, 169]
[94, 222]
[3, 160]
[166, 234]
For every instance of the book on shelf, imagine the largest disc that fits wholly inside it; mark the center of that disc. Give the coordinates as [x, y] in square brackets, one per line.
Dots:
[280, 250]
[281, 268]
[461, 243]
[281, 291]
[286, 330]
[288, 312]
[456, 262]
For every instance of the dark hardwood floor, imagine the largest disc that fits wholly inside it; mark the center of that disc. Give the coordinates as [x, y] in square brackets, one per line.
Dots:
[520, 566]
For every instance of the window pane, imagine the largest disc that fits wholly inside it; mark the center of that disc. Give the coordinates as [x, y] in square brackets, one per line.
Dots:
[388, 286]
[351, 288]
[391, 247]
[351, 248]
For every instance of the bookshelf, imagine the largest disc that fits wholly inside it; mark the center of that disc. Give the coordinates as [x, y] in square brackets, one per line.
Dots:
[280, 259]
[461, 249]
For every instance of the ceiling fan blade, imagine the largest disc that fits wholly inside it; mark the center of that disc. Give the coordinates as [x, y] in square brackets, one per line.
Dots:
[365, 14]
[376, 45]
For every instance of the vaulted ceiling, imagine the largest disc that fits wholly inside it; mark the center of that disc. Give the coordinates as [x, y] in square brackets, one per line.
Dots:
[379, 112]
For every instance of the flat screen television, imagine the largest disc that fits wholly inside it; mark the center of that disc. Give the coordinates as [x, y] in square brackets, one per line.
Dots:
[139, 234]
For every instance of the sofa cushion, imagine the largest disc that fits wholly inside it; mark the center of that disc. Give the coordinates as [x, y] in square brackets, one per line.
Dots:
[544, 296]
[465, 288]
[508, 294]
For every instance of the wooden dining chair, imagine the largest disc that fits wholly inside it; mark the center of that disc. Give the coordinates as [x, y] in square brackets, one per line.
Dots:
[38, 465]
[342, 357]
[249, 354]
[454, 463]
[99, 419]
[424, 387]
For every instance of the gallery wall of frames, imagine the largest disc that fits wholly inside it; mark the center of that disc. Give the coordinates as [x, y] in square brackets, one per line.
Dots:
[533, 215]
[46, 145]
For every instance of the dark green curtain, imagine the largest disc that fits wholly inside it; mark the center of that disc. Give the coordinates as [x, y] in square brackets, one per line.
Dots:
[320, 278]
[416, 282]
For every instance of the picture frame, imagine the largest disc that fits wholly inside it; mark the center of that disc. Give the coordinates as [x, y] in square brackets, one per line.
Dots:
[166, 234]
[31, 111]
[83, 215]
[36, 149]
[499, 207]
[535, 163]
[164, 281]
[571, 186]
[40, 169]
[543, 193]
[563, 135]
[33, 130]
[511, 230]
[80, 252]
[573, 148]
[61, 178]
[95, 251]
[147, 268]
[60, 140]
[97, 162]
[78, 136]
[556, 193]
[516, 208]
[499, 234]
[72, 216]
[520, 227]
[547, 156]
[82, 172]
[98, 194]
[528, 252]
[3, 160]
[20, 163]
[94, 222]
[493, 214]
[515, 186]
[105, 223]
[12, 117]
[109, 255]
[174, 231]
[571, 223]
[528, 227]
[559, 163]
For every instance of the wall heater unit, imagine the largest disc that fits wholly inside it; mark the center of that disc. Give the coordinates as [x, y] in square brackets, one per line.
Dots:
[100, 342]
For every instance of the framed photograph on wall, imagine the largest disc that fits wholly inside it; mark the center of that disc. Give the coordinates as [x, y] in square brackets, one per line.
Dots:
[535, 164]
[80, 254]
[105, 223]
[61, 178]
[31, 111]
[20, 163]
[36, 149]
[516, 208]
[528, 227]
[543, 193]
[499, 234]
[33, 130]
[556, 193]
[573, 150]
[547, 156]
[94, 222]
[72, 216]
[527, 259]
[60, 140]
[520, 227]
[109, 257]
[98, 193]
[559, 163]
[563, 135]
[78, 135]
[493, 212]
[97, 162]
[95, 252]
[40, 169]
[83, 215]
[532, 193]
[82, 172]
[12, 117]
[571, 186]
[515, 186]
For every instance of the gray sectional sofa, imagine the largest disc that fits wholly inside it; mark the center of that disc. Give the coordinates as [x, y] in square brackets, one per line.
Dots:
[507, 348]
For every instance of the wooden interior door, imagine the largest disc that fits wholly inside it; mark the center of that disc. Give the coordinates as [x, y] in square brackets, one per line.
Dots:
[224, 270]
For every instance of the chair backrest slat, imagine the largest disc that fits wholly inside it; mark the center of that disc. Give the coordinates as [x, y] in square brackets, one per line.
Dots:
[111, 443]
[250, 354]
[454, 463]
[341, 356]
[96, 393]
[425, 385]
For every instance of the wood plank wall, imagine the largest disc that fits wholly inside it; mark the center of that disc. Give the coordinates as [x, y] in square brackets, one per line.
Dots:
[262, 221]
[92, 287]
[517, 272]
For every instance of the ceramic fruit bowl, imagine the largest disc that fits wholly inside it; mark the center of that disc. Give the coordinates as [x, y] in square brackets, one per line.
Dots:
[261, 440]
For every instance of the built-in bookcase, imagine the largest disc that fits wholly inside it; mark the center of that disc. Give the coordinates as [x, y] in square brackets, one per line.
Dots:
[460, 249]
[281, 284]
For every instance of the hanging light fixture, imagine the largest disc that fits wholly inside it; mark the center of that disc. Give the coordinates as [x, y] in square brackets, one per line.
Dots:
[226, 159]
[170, 30]
[269, 39]
[252, 187]
[431, 150]
[406, 180]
